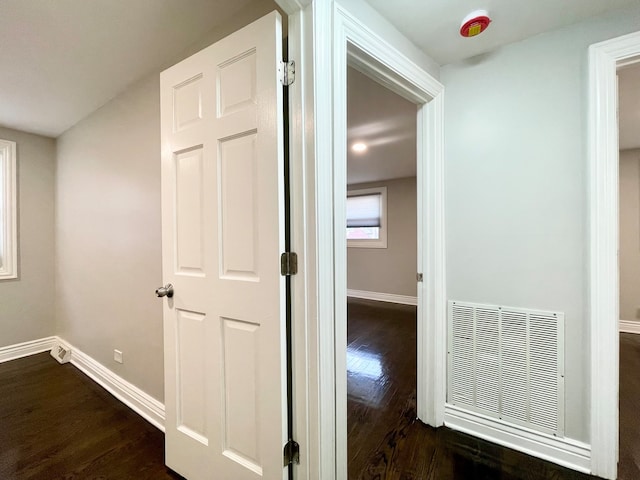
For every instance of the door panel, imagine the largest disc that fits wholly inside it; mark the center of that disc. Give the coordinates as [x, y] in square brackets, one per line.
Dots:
[242, 419]
[223, 232]
[238, 208]
[191, 399]
[189, 211]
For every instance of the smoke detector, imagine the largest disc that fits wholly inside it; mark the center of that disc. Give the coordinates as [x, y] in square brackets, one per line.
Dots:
[475, 23]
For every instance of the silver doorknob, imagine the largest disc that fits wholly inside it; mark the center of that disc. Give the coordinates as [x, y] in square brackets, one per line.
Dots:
[166, 291]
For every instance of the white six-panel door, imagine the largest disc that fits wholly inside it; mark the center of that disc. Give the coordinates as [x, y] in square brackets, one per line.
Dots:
[222, 233]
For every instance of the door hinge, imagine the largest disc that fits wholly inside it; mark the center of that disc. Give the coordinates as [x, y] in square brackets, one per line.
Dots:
[418, 277]
[291, 453]
[287, 72]
[288, 263]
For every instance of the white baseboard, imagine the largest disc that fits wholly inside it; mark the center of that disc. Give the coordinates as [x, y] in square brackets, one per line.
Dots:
[629, 326]
[19, 350]
[383, 297]
[563, 451]
[139, 401]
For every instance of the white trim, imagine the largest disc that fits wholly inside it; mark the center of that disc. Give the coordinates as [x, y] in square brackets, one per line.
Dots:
[292, 7]
[302, 217]
[629, 326]
[604, 59]
[353, 41]
[19, 350]
[320, 233]
[8, 211]
[137, 400]
[383, 297]
[432, 295]
[563, 451]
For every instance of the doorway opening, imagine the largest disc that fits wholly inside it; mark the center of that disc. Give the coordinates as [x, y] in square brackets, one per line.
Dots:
[377, 60]
[355, 46]
[381, 235]
[629, 267]
[605, 59]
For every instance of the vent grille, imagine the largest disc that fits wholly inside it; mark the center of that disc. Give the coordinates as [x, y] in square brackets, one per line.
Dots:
[508, 363]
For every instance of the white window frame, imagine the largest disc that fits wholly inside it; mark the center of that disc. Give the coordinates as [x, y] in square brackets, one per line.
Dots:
[8, 211]
[380, 242]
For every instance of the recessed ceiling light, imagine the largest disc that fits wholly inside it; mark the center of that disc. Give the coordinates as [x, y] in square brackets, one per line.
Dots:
[359, 147]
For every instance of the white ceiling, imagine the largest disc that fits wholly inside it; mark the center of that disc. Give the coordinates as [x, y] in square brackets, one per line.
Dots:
[62, 59]
[629, 107]
[434, 25]
[386, 123]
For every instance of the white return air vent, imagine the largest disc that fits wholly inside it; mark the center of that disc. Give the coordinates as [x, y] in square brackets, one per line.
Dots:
[508, 363]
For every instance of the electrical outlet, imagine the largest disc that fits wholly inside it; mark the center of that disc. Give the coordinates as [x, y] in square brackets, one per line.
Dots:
[117, 356]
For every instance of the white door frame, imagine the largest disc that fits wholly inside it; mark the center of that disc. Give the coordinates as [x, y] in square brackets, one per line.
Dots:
[357, 45]
[301, 16]
[604, 59]
[320, 421]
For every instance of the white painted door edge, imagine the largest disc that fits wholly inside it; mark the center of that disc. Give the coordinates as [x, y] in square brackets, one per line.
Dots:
[307, 430]
[604, 59]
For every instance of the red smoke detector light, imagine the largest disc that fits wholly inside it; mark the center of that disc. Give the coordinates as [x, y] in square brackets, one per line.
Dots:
[475, 23]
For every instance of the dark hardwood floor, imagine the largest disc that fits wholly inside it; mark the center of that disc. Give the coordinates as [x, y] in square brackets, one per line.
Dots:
[385, 441]
[629, 465]
[56, 423]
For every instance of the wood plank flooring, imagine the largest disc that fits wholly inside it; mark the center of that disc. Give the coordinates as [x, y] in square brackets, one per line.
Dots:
[56, 423]
[629, 465]
[385, 441]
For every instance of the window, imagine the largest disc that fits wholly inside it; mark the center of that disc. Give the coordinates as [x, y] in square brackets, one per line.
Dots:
[8, 241]
[366, 218]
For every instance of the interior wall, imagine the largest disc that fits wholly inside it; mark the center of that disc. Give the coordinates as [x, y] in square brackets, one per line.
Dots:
[26, 303]
[108, 228]
[370, 17]
[630, 235]
[392, 269]
[516, 188]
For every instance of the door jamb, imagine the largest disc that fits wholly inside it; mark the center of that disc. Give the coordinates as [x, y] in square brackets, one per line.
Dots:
[353, 42]
[301, 19]
[604, 59]
[313, 224]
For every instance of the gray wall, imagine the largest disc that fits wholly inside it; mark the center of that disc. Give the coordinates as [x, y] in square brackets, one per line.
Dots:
[108, 228]
[516, 185]
[108, 236]
[26, 303]
[391, 269]
[630, 234]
